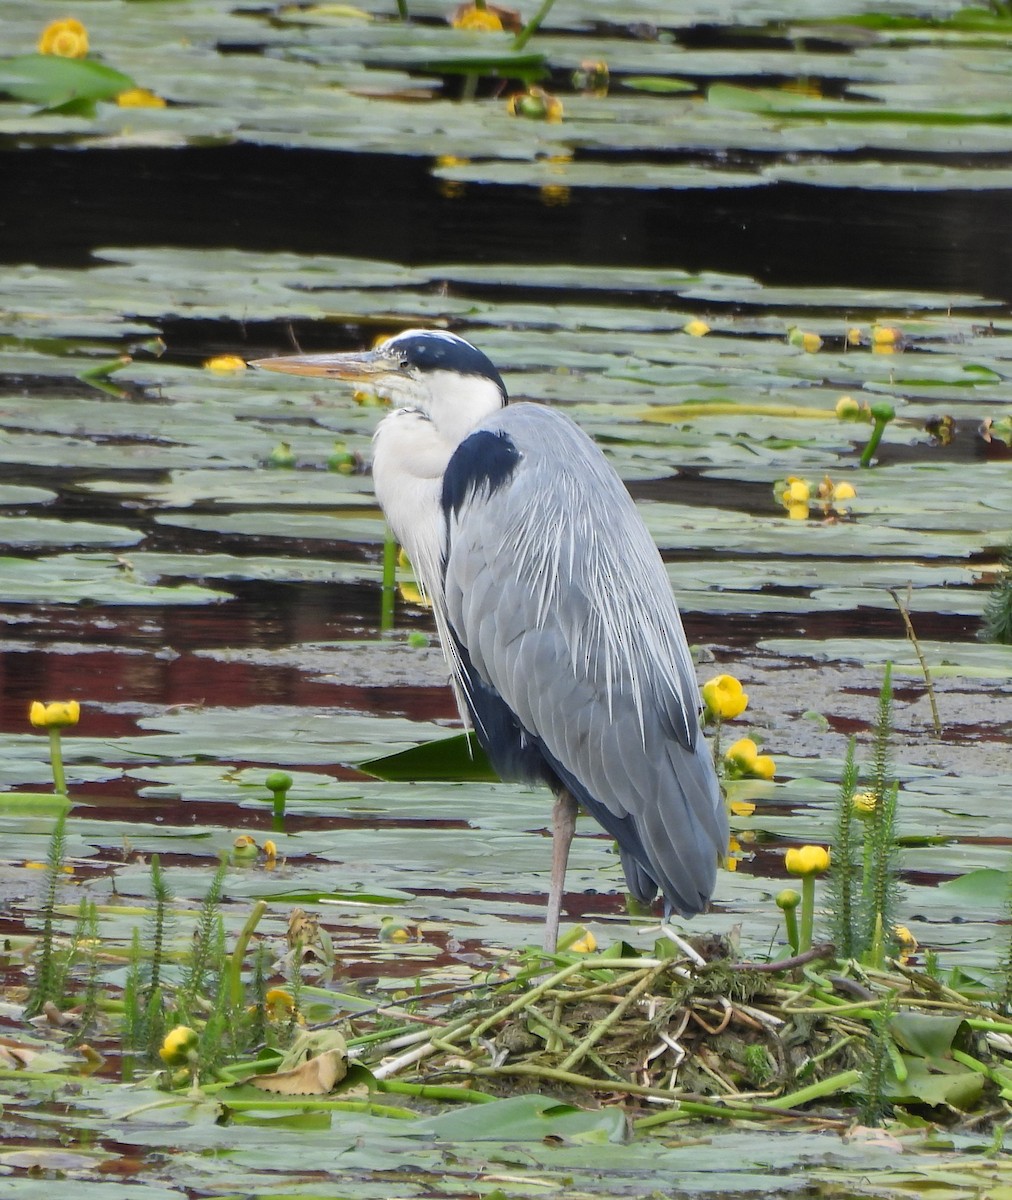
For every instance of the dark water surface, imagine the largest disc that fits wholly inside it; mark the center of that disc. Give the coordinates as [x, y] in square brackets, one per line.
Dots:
[389, 207]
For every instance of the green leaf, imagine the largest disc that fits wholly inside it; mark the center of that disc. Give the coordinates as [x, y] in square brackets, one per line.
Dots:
[657, 83]
[987, 886]
[457, 758]
[928, 1035]
[53, 82]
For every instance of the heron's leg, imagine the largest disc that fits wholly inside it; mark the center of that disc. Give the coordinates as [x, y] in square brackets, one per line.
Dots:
[563, 828]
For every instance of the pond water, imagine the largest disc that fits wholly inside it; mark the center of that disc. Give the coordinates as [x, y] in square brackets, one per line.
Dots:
[317, 179]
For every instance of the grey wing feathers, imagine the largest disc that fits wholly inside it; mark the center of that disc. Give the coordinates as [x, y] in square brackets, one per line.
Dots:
[557, 591]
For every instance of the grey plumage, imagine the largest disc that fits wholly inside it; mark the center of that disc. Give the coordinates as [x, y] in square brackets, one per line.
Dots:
[559, 596]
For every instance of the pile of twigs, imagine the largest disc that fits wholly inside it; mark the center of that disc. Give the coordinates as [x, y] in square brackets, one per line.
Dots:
[690, 1037]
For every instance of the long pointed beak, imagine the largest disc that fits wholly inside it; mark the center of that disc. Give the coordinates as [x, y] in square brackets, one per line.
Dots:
[358, 366]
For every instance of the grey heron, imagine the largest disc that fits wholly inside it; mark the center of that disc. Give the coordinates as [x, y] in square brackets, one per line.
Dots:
[553, 608]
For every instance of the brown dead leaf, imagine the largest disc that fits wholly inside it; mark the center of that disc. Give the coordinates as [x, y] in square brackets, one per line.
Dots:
[315, 1077]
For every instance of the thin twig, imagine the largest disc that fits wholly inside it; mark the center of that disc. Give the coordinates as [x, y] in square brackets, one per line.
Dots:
[911, 634]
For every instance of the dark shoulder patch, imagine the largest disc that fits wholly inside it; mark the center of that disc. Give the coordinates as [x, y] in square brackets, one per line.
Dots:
[482, 463]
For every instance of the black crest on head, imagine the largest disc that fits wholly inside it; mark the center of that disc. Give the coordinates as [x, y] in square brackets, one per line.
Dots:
[433, 350]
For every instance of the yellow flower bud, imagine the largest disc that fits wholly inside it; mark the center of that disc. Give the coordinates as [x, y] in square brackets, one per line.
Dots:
[853, 336]
[863, 803]
[224, 364]
[744, 751]
[476, 20]
[270, 850]
[179, 1047]
[885, 335]
[66, 39]
[788, 899]
[744, 761]
[724, 697]
[763, 767]
[844, 491]
[848, 409]
[535, 103]
[279, 1000]
[55, 715]
[142, 98]
[696, 328]
[585, 945]
[806, 860]
[905, 938]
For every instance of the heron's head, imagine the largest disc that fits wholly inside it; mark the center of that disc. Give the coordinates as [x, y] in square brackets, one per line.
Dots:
[435, 373]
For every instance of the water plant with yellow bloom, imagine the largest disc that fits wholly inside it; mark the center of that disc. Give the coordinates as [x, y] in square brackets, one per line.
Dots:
[143, 98]
[806, 862]
[724, 698]
[220, 364]
[536, 104]
[743, 761]
[66, 38]
[476, 20]
[54, 716]
[179, 1049]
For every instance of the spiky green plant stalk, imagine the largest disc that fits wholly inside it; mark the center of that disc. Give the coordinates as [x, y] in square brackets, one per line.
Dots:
[873, 1103]
[204, 938]
[880, 902]
[46, 973]
[997, 621]
[89, 1009]
[844, 866]
[154, 1023]
[257, 1031]
[133, 1011]
[161, 897]
[879, 888]
[64, 964]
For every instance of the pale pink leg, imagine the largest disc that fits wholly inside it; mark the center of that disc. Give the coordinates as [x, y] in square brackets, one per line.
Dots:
[563, 828]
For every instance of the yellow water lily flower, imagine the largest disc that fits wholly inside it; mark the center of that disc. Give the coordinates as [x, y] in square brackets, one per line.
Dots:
[480, 20]
[798, 491]
[798, 512]
[806, 860]
[848, 409]
[179, 1047]
[224, 364]
[57, 714]
[744, 759]
[696, 328]
[844, 491]
[885, 335]
[585, 945]
[535, 103]
[279, 1001]
[864, 803]
[66, 38]
[724, 698]
[141, 98]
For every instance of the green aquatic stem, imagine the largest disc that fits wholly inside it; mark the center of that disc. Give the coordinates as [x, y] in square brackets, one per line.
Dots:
[239, 953]
[816, 1091]
[807, 913]
[791, 929]
[881, 414]
[532, 26]
[56, 760]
